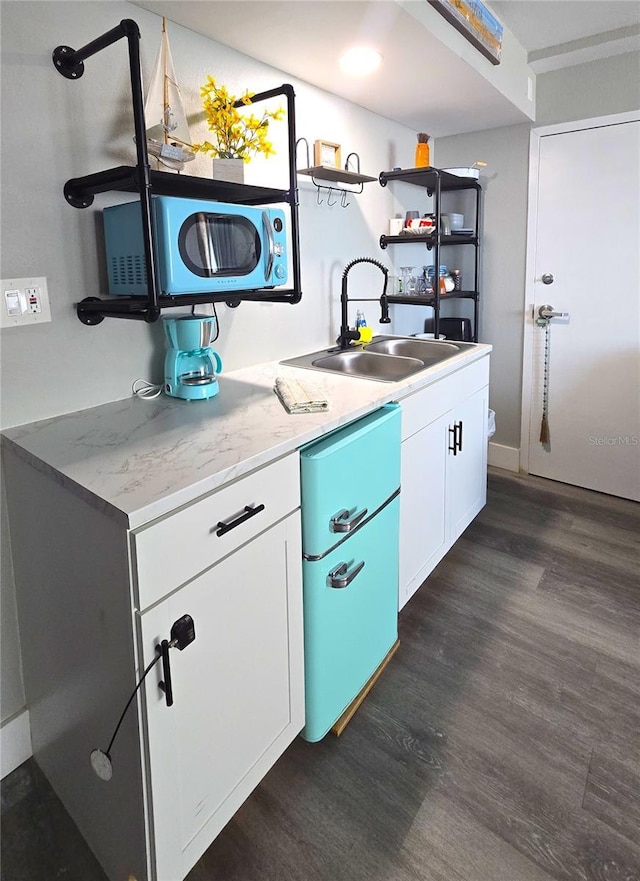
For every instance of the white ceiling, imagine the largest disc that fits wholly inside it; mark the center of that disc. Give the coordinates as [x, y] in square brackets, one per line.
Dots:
[422, 83]
[560, 33]
[540, 24]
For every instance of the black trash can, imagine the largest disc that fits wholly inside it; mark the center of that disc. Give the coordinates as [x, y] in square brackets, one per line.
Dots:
[453, 328]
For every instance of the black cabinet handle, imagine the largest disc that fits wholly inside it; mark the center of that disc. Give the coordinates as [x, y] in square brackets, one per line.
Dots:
[249, 511]
[165, 685]
[183, 633]
[456, 440]
[453, 439]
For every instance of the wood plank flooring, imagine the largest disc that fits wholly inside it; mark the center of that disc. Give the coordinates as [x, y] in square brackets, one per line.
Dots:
[502, 742]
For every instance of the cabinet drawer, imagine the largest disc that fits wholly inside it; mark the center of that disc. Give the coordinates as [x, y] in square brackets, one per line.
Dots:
[176, 549]
[423, 407]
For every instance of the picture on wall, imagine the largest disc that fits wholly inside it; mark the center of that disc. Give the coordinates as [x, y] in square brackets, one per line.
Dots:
[476, 23]
[327, 154]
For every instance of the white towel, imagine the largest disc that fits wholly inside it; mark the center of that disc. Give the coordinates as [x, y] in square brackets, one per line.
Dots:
[297, 398]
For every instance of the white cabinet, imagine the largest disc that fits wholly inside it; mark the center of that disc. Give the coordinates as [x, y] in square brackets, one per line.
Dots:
[423, 526]
[467, 468]
[444, 469]
[237, 691]
[95, 600]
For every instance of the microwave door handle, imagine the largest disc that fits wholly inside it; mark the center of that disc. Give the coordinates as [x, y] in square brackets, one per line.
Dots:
[205, 245]
[267, 228]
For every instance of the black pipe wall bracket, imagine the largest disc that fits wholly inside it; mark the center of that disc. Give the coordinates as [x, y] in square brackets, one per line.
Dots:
[80, 193]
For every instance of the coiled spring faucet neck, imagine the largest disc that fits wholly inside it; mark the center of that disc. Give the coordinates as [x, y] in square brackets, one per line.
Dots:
[347, 336]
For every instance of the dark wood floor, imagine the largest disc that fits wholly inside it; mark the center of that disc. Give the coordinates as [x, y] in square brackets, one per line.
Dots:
[501, 744]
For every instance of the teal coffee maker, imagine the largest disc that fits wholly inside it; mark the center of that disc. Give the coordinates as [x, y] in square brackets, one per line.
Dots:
[191, 365]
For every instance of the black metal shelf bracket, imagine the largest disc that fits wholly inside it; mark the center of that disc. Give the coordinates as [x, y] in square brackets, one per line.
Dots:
[80, 192]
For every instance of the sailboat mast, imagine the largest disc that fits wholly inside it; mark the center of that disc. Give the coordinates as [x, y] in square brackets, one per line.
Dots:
[165, 78]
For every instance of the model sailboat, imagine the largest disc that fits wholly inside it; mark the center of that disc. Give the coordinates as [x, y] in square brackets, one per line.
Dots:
[168, 136]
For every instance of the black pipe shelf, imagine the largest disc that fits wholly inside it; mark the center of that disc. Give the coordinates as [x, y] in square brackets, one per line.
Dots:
[419, 300]
[80, 191]
[429, 240]
[428, 177]
[436, 182]
[140, 178]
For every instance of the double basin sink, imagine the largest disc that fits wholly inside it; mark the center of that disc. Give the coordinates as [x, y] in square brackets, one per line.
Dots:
[385, 358]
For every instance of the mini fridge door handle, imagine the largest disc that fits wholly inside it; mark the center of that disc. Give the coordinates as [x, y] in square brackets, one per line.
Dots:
[340, 576]
[343, 521]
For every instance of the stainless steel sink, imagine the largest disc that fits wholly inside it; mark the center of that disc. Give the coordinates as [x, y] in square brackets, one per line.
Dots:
[371, 365]
[427, 351]
[385, 359]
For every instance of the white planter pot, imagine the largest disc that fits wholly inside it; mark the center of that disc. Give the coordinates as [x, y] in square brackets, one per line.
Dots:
[231, 170]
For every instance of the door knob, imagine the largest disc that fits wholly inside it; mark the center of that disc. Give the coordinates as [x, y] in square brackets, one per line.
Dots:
[547, 278]
[547, 311]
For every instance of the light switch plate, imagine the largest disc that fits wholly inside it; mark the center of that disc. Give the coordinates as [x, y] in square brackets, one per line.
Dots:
[24, 301]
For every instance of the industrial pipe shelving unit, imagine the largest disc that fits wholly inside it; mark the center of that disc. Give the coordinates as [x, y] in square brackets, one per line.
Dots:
[140, 178]
[436, 181]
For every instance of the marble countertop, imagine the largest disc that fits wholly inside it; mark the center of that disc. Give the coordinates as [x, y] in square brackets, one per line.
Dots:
[140, 459]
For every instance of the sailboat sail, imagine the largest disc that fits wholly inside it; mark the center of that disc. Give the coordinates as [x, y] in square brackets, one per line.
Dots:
[168, 136]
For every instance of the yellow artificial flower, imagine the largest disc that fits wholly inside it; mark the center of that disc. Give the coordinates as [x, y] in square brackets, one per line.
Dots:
[235, 135]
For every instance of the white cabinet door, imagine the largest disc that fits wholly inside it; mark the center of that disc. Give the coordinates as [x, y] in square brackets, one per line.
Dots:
[442, 489]
[467, 468]
[238, 693]
[423, 532]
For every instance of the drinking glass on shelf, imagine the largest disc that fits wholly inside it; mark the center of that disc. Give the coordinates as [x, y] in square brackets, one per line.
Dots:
[424, 284]
[405, 279]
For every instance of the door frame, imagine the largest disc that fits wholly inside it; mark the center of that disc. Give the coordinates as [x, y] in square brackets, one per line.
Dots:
[535, 139]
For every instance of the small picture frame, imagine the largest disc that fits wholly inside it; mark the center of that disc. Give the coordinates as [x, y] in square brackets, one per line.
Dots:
[326, 154]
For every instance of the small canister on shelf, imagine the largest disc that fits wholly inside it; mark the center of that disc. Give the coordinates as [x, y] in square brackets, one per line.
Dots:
[457, 279]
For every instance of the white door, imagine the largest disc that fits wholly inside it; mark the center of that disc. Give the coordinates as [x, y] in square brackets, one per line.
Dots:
[586, 237]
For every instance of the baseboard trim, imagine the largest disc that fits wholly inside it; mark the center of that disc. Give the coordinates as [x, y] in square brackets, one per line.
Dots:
[15, 743]
[504, 457]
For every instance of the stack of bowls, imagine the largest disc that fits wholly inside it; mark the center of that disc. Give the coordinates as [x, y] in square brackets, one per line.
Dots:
[456, 221]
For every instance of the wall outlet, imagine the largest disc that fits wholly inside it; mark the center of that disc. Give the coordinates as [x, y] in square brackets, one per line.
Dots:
[24, 301]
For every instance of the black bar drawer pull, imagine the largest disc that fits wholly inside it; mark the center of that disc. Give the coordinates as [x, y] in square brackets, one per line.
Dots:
[460, 436]
[166, 685]
[453, 439]
[249, 511]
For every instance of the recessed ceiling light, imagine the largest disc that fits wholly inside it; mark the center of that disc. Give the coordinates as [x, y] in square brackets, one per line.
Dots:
[360, 61]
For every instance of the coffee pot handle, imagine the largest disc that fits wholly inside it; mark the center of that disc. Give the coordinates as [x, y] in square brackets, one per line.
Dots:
[218, 361]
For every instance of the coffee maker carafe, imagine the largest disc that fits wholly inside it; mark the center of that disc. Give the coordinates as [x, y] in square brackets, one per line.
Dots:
[191, 365]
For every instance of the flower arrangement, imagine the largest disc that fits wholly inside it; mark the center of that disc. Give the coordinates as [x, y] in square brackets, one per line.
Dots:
[235, 136]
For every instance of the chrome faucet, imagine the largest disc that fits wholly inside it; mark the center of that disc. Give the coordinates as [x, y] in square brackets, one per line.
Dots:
[347, 336]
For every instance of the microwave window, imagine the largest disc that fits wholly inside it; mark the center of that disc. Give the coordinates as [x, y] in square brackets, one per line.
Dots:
[215, 245]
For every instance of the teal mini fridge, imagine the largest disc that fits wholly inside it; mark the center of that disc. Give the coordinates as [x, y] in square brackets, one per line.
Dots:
[350, 525]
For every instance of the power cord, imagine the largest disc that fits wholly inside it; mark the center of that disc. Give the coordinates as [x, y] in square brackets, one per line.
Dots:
[141, 388]
[215, 317]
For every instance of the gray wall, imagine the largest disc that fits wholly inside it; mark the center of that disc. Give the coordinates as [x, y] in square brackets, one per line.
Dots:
[506, 151]
[54, 129]
[599, 88]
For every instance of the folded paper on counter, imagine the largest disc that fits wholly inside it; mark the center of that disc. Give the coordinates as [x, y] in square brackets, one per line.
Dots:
[297, 398]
